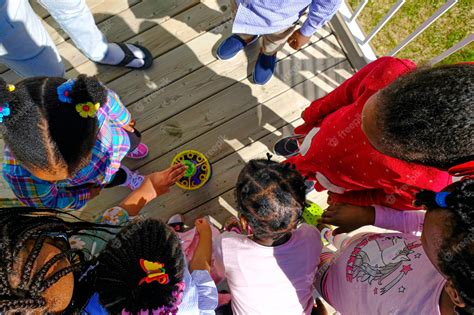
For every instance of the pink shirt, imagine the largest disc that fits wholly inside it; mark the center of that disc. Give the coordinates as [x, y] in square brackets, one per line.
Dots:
[271, 280]
[385, 273]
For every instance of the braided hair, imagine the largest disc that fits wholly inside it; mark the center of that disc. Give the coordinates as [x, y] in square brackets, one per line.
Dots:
[120, 274]
[271, 196]
[45, 133]
[20, 227]
[456, 256]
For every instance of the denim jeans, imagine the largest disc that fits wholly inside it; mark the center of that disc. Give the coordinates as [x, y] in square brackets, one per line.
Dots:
[27, 48]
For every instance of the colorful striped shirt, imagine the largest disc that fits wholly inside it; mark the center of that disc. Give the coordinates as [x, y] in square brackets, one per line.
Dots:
[258, 17]
[110, 148]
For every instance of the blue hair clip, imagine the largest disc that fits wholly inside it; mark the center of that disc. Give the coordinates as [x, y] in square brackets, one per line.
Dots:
[65, 90]
[4, 111]
[440, 199]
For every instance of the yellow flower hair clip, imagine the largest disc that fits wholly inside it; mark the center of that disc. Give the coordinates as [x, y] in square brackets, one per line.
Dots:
[11, 87]
[87, 109]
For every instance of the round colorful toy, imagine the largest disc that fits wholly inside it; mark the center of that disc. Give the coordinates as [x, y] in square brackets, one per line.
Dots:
[312, 213]
[198, 170]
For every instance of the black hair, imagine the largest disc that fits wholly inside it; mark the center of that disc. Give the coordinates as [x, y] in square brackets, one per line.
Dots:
[271, 196]
[20, 226]
[427, 116]
[42, 131]
[119, 271]
[456, 256]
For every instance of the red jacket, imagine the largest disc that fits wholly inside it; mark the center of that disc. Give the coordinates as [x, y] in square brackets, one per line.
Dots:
[341, 153]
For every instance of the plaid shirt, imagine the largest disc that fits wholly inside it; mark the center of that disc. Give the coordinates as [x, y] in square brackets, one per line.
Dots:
[110, 148]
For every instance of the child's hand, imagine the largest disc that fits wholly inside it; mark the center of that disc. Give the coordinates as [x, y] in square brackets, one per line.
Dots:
[162, 181]
[348, 217]
[130, 127]
[298, 40]
[203, 227]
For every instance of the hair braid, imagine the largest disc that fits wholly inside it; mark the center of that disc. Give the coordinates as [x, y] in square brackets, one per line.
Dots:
[119, 272]
[271, 196]
[18, 226]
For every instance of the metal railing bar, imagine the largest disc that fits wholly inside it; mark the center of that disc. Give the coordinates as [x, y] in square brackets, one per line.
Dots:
[443, 9]
[466, 41]
[384, 20]
[358, 10]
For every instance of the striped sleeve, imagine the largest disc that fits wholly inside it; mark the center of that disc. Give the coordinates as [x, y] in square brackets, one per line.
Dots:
[116, 111]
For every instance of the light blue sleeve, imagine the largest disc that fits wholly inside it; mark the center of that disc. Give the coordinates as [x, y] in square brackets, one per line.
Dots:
[207, 291]
[320, 12]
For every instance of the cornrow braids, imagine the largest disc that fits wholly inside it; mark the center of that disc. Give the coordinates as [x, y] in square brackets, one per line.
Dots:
[456, 256]
[19, 226]
[271, 196]
[119, 273]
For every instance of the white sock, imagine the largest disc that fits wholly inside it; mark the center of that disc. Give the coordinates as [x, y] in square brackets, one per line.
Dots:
[115, 55]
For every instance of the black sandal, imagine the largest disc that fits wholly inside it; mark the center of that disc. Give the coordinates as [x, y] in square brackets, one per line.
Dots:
[129, 57]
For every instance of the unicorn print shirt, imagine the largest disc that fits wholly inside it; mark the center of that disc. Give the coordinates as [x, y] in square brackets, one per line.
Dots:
[387, 273]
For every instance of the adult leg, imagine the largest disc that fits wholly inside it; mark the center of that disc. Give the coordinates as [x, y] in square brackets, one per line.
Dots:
[77, 21]
[25, 46]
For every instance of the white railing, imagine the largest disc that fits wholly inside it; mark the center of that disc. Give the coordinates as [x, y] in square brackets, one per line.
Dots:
[363, 41]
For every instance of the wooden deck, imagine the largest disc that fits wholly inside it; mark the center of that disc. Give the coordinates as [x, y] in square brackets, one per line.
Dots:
[191, 100]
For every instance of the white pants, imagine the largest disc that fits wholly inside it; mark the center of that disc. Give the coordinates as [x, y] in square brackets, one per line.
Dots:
[27, 48]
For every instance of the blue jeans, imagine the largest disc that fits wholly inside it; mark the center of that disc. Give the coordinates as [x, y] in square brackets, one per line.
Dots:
[27, 48]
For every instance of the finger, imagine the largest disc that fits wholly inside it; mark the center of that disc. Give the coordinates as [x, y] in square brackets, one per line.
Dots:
[179, 172]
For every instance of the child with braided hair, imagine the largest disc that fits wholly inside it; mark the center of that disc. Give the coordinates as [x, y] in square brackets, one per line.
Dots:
[65, 141]
[48, 264]
[270, 271]
[401, 273]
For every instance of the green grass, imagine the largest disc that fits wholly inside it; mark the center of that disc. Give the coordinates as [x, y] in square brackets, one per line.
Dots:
[448, 30]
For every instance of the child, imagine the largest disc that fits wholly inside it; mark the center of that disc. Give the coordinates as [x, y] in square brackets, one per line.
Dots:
[276, 22]
[144, 271]
[272, 270]
[387, 107]
[47, 267]
[393, 273]
[65, 141]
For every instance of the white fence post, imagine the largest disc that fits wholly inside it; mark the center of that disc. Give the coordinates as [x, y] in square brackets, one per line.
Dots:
[384, 20]
[359, 9]
[466, 41]
[443, 9]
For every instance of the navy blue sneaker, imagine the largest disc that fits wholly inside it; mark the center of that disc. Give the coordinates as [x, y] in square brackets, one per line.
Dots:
[231, 46]
[264, 68]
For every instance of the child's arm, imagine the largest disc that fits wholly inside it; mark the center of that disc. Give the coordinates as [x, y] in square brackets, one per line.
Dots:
[203, 255]
[403, 221]
[320, 12]
[346, 93]
[402, 199]
[154, 185]
[350, 217]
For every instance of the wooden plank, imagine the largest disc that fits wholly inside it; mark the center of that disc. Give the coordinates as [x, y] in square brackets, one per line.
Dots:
[169, 98]
[160, 39]
[238, 98]
[234, 135]
[121, 27]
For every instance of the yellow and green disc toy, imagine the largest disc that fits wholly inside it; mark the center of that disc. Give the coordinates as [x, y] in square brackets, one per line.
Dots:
[312, 213]
[198, 170]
